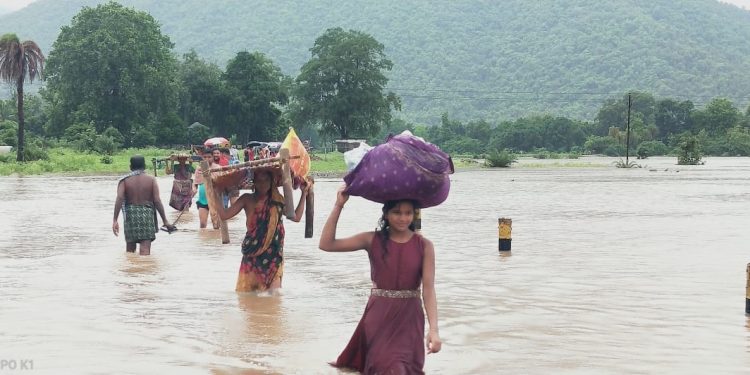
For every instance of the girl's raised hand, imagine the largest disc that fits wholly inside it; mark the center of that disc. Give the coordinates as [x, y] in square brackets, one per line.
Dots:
[341, 196]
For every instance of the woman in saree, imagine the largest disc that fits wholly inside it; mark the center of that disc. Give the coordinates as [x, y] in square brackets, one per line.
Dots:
[262, 264]
[182, 186]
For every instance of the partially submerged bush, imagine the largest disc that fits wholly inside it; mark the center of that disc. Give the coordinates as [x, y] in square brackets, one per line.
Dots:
[623, 164]
[690, 150]
[501, 159]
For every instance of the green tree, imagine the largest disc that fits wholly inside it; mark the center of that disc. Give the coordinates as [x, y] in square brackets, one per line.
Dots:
[673, 117]
[523, 134]
[560, 133]
[197, 133]
[8, 132]
[19, 60]
[201, 90]
[719, 116]
[447, 130]
[255, 90]
[81, 136]
[112, 67]
[738, 141]
[480, 130]
[596, 144]
[341, 86]
[7, 110]
[614, 112]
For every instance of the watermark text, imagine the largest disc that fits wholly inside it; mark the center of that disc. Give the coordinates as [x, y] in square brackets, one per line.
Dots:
[16, 364]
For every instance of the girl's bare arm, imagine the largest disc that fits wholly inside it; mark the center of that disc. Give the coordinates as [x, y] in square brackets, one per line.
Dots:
[433, 342]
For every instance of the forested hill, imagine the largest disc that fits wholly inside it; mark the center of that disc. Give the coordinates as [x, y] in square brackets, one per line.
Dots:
[473, 59]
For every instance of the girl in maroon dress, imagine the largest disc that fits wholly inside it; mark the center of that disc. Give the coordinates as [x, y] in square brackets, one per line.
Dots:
[388, 339]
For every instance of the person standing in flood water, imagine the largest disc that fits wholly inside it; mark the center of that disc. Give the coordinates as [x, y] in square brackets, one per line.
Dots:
[199, 189]
[262, 266]
[388, 338]
[139, 193]
[182, 186]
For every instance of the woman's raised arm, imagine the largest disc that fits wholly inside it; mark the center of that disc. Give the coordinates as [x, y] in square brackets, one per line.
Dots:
[328, 240]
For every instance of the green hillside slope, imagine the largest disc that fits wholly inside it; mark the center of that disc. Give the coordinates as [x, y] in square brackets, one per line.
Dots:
[473, 59]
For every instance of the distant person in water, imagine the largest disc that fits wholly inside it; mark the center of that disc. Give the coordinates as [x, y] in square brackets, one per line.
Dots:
[221, 160]
[138, 198]
[199, 189]
[182, 186]
[264, 153]
[249, 153]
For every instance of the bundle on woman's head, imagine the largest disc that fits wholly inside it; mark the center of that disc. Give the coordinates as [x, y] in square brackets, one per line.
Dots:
[404, 167]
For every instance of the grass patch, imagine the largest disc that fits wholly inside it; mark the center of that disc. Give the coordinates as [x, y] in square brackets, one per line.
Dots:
[327, 162]
[70, 161]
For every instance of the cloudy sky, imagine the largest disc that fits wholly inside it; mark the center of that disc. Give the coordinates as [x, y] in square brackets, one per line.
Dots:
[15, 4]
[740, 3]
[18, 4]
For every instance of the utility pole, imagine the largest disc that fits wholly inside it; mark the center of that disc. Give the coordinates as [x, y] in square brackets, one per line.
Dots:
[627, 136]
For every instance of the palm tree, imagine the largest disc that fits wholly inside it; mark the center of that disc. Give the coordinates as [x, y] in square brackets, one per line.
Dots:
[17, 61]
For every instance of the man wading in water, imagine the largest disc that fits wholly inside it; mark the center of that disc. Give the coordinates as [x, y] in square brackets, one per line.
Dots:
[140, 195]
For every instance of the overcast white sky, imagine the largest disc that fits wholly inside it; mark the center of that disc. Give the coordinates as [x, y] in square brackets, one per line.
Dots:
[18, 4]
[740, 3]
[15, 4]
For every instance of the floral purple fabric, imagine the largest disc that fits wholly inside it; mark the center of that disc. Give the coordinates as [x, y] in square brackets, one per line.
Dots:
[404, 167]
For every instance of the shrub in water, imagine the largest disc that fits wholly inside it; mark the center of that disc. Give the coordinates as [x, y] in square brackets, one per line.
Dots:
[501, 159]
[690, 151]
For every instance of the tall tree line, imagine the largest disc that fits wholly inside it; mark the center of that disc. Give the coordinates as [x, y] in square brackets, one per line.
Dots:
[112, 74]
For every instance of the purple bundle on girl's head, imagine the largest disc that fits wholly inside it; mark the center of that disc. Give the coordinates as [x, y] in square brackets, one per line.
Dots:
[404, 167]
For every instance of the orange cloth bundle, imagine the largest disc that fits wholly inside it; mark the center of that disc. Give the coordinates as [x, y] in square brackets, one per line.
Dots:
[300, 166]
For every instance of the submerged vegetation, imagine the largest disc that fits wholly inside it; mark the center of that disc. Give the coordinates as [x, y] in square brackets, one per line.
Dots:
[690, 151]
[626, 164]
[500, 159]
